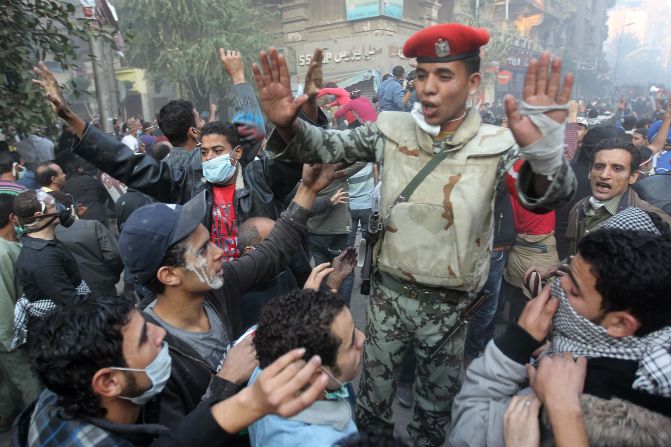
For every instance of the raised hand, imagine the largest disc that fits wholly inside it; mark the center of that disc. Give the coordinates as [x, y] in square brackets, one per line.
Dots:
[51, 89]
[286, 386]
[339, 197]
[343, 265]
[539, 90]
[233, 64]
[240, 362]
[318, 176]
[317, 275]
[273, 85]
[315, 75]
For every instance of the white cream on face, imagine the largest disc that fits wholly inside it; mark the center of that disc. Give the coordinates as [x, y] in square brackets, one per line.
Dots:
[197, 264]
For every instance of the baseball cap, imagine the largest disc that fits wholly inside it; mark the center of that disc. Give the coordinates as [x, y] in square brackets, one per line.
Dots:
[582, 120]
[152, 229]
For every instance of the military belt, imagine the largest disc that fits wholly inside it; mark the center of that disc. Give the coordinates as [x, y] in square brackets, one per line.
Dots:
[419, 292]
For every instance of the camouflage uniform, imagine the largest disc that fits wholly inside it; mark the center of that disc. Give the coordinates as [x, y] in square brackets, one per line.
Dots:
[433, 253]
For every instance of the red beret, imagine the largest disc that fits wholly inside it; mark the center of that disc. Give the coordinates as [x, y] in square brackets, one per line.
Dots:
[445, 42]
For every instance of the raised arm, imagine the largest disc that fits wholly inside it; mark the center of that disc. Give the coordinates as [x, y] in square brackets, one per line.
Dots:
[247, 116]
[538, 127]
[657, 144]
[140, 172]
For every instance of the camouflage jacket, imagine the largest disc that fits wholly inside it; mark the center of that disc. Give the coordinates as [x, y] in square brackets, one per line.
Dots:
[442, 235]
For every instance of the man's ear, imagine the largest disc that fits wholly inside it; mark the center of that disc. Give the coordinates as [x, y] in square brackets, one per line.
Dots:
[474, 83]
[633, 177]
[108, 382]
[237, 151]
[169, 276]
[620, 324]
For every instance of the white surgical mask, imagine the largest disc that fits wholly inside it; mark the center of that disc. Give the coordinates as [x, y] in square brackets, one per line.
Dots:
[219, 170]
[158, 372]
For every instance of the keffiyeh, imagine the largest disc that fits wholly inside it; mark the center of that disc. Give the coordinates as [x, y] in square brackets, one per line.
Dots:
[25, 309]
[576, 334]
[632, 219]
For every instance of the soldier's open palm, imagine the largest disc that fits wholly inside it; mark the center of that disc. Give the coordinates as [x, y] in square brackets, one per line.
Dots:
[273, 84]
[540, 89]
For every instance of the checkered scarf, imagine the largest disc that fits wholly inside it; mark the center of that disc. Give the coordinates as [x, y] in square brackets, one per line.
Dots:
[25, 309]
[632, 219]
[574, 333]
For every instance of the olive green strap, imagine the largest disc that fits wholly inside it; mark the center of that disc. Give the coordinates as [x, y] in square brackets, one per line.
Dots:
[421, 175]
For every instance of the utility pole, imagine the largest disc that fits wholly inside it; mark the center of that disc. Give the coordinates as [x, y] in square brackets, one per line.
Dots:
[112, 83]
[102, 86]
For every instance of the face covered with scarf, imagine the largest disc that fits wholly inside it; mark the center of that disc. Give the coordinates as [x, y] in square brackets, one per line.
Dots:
[581, 326]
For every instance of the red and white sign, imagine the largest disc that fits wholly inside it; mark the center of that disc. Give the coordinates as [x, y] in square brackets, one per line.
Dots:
[504, 77]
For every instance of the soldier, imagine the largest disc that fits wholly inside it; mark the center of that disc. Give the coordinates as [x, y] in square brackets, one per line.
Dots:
[435, 248]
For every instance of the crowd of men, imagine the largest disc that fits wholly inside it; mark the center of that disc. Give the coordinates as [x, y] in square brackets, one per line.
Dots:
[184, 282]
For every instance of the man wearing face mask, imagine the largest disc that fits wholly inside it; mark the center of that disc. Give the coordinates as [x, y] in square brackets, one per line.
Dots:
[11, 170]
[45, 269]
[103, 363]
[612, 308]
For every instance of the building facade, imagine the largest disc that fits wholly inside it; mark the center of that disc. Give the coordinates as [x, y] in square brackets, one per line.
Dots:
[363, 38]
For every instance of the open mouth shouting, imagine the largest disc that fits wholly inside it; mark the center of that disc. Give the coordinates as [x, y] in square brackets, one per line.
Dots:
[602, 187]
[429, 109]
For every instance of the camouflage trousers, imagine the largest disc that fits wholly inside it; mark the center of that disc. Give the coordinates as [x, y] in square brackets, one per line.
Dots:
[394, 321]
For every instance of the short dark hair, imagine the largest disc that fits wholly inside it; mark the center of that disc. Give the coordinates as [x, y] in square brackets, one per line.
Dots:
[398, 71]
[7, 160]
[73, 343]
[299, 319]
[222, 128]
[175, 119]
[26, 205]
[644, 123]
[642, 131]
[629, 122]
[619, 143]
[632, 270]
[645, 153]
[6, 208]
[472, 64]
[44, 173]
[174, 257]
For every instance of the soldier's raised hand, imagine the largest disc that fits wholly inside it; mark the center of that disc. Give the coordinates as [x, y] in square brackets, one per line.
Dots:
[540, 89]
[273, 85]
